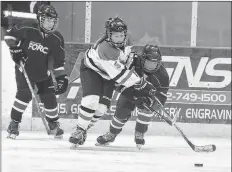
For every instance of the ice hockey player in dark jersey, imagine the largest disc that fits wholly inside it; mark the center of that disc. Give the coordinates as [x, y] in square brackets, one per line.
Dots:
[41, 48]
[104, 65]
[149, 66]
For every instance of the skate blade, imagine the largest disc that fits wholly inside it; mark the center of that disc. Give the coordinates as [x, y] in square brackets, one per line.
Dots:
[11, 136]
[139, 146]
[59, 137]
[74, 146]
[99, 144]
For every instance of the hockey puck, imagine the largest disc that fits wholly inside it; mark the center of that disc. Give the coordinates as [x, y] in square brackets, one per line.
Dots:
[198, 165]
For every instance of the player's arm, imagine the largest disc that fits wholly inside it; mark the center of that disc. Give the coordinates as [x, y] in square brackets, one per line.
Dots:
[129, 76]
[100, 60]
[13, 39]
[160, 95]
[57, 64]
[116, 71]
[156, 97]
[58, 56]
[135, 62]
[14, 35]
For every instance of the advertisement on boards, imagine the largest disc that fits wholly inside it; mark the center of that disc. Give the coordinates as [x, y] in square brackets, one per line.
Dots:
[200, 85]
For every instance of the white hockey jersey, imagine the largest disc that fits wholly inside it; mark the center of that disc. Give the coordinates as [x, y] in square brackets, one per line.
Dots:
[111, 63]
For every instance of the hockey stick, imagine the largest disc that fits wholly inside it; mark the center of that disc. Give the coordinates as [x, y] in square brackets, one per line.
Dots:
[167, 118]
[36, 101]
[54, 80]
[75, 74]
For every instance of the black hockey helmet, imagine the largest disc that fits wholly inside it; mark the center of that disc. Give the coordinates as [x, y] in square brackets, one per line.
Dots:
[115, 25]
[48, 18]
[151, 58]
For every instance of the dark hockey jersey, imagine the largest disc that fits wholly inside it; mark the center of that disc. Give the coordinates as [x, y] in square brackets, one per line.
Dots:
[41, 51]
[160, 80]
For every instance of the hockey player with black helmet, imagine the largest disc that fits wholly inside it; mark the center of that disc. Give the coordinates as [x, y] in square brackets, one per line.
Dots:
[41, 49]
[150, 67]
[105, 65]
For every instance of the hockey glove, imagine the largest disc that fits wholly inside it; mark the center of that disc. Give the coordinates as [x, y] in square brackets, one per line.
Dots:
[153, 105]
[62, 84]
[17, 55]
[145, 88]
[141, 101]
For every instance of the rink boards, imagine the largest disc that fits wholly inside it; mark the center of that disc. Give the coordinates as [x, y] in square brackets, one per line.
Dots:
[200, 85]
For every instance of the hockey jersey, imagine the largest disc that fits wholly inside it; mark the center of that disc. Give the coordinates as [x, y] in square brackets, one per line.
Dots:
[160, 80]
[41, 51]
[111, 63]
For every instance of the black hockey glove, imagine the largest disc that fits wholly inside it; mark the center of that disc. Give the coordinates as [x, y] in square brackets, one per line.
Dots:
[153, 104]
[62, 84]
[17, 55]
[141, 101]
[145, 88]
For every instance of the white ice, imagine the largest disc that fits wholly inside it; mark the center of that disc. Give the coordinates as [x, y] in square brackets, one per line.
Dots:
[37, 152]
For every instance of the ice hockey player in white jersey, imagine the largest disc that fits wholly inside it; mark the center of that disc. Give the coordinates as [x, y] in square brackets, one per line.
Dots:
[104, 65]
[148, 65]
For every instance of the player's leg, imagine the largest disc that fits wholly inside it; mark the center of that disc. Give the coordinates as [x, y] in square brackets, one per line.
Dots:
[143, 118]
[123, 111]
[47, 96]
[22, 99]
[104, 103]
[142, 122]
[92, 85]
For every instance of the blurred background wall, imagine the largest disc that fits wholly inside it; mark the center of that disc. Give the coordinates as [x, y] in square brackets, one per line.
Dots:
[162, 23]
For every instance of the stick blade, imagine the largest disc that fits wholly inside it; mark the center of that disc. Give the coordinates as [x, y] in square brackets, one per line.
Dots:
[76, 68]
[206, 148]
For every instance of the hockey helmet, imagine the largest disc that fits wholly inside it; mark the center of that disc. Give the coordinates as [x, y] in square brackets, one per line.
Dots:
[151, 58]
[116, 25]
[48, 18]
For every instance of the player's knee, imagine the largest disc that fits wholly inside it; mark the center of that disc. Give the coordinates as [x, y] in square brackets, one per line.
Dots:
[24, 95]
[90, 102]
[49, 100]
[46, 86]
[123, 114]
[101, 110]
[50, 106]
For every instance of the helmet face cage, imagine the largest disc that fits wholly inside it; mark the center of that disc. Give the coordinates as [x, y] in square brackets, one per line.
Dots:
[115, 25]
[151, 58]
[48, 18]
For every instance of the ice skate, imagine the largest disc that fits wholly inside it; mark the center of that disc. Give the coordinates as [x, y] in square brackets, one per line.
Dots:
[139, 139]
[78, 137]
[106, 139]
[13, 129]
[56, 130]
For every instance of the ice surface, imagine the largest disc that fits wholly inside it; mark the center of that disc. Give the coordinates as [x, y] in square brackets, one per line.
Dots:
[37, 152]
